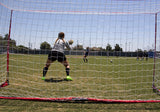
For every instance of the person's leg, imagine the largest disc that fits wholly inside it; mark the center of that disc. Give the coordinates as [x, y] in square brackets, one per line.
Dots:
[45, 69]
[84, 58]
[51, 58]
[62, 59]
[66, 64]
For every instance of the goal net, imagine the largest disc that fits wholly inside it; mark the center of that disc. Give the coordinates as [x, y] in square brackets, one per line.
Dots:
[123, 40]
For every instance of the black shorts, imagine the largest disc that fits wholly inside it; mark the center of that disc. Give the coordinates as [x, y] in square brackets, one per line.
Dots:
[55, 55]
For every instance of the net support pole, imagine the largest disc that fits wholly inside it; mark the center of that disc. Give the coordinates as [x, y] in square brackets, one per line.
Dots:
[154, 66]
[9, 34]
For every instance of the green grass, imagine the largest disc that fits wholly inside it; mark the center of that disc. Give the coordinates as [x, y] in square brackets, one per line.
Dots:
[37, 106]
[125, 79]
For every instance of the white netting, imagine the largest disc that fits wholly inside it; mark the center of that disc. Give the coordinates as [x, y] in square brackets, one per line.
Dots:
[121, 72]
[83, 6]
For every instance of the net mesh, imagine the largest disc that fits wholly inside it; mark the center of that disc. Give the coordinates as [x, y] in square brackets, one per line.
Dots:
[120, 34]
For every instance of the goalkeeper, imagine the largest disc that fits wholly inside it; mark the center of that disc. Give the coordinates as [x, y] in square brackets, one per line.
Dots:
[57, 53]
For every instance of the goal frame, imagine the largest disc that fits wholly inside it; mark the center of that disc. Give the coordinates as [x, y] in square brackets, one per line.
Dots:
[78, 99]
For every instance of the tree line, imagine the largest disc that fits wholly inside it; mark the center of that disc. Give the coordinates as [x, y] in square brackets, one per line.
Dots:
[46, 46]
[12, 44]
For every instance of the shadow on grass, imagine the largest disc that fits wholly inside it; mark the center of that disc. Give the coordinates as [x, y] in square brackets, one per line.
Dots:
[55, 80]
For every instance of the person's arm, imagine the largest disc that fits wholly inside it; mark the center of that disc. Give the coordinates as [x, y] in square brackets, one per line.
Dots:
[68, 46]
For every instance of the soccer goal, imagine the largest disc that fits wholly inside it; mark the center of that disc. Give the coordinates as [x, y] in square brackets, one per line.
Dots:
[121, 37]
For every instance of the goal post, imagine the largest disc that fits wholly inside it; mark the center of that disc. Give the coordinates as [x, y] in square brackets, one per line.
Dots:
[156, 72]
[122, 38]
[5, 80]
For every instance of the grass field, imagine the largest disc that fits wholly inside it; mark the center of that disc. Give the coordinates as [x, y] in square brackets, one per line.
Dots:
[37, 106]
[125, 78]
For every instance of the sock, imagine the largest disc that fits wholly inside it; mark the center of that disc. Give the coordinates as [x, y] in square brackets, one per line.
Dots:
[86, 60]
[67, 71]
[45, 69]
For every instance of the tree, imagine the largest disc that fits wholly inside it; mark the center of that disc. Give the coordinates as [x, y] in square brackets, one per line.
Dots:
[139, 50]
[12, 43]
[4, 41]
[117, 48]
[1, 38]
[45, 46]
[97, 49]
[78, 47]
[108, 47]
[6, 37]
[22, 49]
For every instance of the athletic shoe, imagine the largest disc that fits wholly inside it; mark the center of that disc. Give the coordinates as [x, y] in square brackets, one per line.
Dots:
[43, 78]
[69, 78]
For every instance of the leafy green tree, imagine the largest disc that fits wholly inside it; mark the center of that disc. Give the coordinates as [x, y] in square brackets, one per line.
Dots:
[108, 47]
[139, 50]
[117, 48]
[22, 49]
[1, 38]
[4, 41]
[6, 37]
[45, 46]
[97, 49]
[12, 43]
[78, 47]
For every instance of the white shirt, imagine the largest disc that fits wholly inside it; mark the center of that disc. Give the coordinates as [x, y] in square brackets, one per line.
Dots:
[60, 45]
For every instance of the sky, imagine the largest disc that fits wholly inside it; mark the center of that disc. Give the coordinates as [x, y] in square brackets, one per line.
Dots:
[93, 23]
